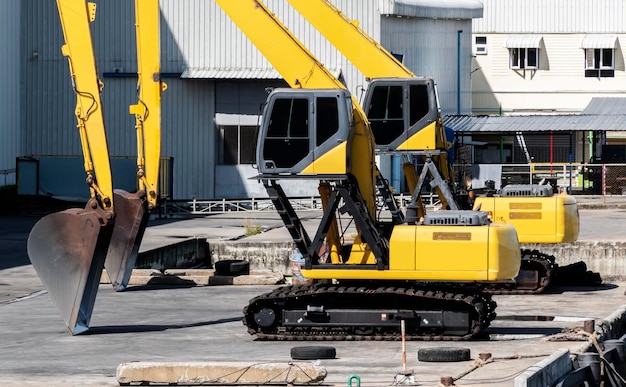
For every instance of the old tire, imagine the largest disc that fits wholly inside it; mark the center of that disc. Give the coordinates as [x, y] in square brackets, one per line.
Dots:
[232, 267]
[313, 353]
[443, 354]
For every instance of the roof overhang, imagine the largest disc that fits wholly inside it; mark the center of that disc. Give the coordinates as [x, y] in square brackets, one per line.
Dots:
[229, 73]
[535, 123]
[523, 41]
[240, 73]
[598, 41]
[606, 106]
[428, 9]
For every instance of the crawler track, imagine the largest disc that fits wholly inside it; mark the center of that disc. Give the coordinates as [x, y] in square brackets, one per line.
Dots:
[368, 312]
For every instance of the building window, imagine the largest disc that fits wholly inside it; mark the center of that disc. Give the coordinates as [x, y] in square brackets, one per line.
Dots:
[480, 45]
[524, 51]
[524, 58]
[237, 144]
[599, 63]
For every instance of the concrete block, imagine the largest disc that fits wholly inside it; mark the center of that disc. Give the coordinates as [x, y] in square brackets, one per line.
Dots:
[266, 277]
[607, 257]
[612, 327]
[186, 373]
[186, 253]
[547, 372]
[260, 254]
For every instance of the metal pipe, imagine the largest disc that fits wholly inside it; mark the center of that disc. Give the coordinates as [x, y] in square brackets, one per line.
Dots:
[458, 72]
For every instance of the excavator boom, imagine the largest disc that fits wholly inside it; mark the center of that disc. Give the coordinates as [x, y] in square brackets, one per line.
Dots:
[134, 208]
[372, 59]
[68, 249]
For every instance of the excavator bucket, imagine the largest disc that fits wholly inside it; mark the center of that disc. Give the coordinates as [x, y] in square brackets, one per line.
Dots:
[67, 250]
[130, 223]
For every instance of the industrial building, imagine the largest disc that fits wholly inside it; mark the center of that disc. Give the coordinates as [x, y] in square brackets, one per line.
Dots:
[216, 80]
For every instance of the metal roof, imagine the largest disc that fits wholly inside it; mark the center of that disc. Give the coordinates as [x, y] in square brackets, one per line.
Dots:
[598, 41]
[611, 106]
[536, 123]
[523, 41]
[440, 9]
[552, 17]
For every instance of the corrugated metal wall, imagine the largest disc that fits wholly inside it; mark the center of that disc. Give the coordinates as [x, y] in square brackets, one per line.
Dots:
[48, 123]
[10, 81]
[430, 49]
[552, 16]
[200, 35]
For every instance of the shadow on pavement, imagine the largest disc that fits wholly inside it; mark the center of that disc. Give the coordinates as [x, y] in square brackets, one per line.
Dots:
[116, 329]
[563, 289]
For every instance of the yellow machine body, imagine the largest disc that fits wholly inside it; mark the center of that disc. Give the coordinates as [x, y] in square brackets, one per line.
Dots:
[552, 219]
[480, 253]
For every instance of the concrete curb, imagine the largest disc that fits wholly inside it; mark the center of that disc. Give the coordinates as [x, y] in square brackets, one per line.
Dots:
[600, 206]
[548, 371]
[186, 373]
[605, 257]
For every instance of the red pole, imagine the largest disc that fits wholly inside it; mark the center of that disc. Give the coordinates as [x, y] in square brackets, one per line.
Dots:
[551, 152]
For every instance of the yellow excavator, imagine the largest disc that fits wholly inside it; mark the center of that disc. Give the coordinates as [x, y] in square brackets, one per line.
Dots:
[421, 272]
[404, 115]
[69, 249]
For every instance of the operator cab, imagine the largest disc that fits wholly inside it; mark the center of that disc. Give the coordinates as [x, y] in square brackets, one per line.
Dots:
[305, 132]
[403, 113]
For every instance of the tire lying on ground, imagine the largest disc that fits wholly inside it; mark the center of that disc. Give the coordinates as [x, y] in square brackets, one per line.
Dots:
[313, 352]
[232, 267]
[443, 354]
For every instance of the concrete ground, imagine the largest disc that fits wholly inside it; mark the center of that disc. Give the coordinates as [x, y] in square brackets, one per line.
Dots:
[204, 324]
[178, 323]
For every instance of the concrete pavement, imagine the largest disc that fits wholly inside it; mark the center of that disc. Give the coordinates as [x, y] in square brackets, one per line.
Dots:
[191, 323]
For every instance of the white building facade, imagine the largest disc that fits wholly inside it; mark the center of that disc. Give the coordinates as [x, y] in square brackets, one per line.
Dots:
[554, 56]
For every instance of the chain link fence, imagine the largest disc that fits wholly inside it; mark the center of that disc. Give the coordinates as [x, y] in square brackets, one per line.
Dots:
[576, 178]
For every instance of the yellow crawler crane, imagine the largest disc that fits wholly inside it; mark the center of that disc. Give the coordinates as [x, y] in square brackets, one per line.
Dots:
[420, 273]
[69, 249]
[403, 111]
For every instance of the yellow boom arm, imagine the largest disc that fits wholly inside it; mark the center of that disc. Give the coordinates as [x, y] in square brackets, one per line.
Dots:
[148, 109]
[78, 48]
[372, 59]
